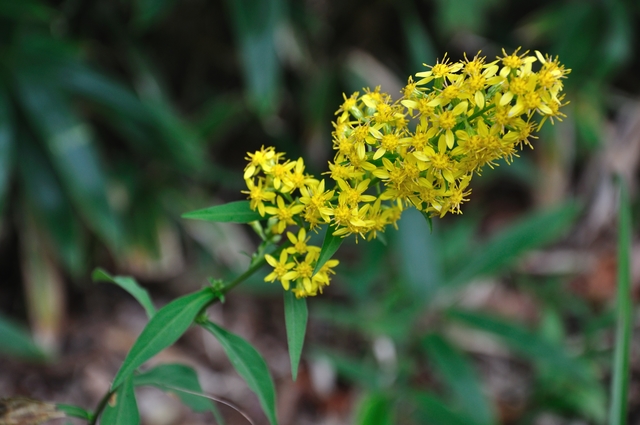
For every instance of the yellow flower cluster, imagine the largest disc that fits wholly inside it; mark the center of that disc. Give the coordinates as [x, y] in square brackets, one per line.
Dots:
[421, 150]
[281, 190]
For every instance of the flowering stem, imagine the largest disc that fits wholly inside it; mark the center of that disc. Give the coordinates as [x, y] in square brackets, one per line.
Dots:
[255, 266]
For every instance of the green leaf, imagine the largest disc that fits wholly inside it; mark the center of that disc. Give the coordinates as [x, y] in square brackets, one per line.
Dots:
[150, 11]
[417, 253]
[26, 10]
[122, 408]
[233, 212]
[71, 152]
[295, 317]
[375, 409]
[49, 205]
[432, 410]
[6, 146]
[532, 232]
[620, 382]
[457, 373]
[181, 380]
[74, 411]
[168, 324]
[16, 342]
[528, 344]
[330, 245]
[250, 365]
[255, 24]
[130, 285]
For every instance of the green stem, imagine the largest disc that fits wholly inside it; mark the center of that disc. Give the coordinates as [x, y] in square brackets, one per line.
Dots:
[255, 266]
[480, 112]
[101, 405]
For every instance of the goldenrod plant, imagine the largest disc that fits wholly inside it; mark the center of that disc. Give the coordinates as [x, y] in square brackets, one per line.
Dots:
[419, 151]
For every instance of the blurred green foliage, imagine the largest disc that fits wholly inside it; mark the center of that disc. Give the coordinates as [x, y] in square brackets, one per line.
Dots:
[118, 116]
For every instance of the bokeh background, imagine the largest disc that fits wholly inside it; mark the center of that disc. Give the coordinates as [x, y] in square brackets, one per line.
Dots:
[117, 116]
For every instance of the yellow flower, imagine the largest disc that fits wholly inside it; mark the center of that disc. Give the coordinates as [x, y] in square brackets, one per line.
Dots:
[299, 243]
[280, 269]
[259, 159]
[258, 195]
[284, 213]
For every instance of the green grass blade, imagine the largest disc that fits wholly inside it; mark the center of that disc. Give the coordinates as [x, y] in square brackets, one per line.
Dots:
[232, 212]
[506, 247]
[169, 323]
[250, 365]
[295, 317]
[130, 285]
[122, 408]
[330, 245]
[620, 381]
[457, 373]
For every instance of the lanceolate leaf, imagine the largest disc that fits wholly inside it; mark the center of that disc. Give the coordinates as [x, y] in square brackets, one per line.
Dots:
[130, 285]
[122, 408]
[295, 317]
[182, 381]
[234, 212]
[458, 374]
[330, 245]
[250, 365]
[74, 411]
[169, 323]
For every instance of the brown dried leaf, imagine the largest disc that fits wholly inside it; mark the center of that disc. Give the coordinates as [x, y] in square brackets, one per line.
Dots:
[27, 411]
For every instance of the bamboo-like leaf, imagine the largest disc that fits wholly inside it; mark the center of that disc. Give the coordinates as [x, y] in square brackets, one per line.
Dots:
[7, 136]
[15, 341]
[295, 318]
[330, 245]
[71, 151]
[503, 249]
[620, 381]
[48, 204]
[168, 324]
[432, 410]
[122, 408]
[232, 212]
[250, 365]
[525, 342]
[458, 374]
[375, 409]
[255, 24]
[130, 285]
